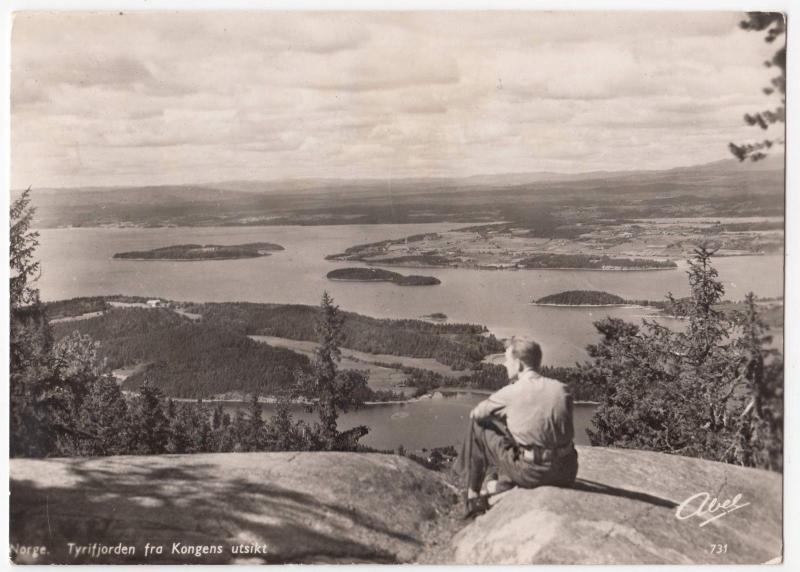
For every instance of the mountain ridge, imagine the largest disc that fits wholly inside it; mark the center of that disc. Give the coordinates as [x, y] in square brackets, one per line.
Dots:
[319, 183]
[713, 189]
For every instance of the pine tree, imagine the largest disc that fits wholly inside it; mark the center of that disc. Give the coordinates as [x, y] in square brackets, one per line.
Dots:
[325, 390]
[284, 433]
[774, 24]
[759, 426]
[75, 365]
[178, 432]
[255, 438]
[103, 417]
[216, 421]
[149, 428]
[36, 397]
[696, 392]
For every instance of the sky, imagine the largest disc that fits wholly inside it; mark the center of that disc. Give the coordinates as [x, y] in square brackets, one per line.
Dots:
[176, 98]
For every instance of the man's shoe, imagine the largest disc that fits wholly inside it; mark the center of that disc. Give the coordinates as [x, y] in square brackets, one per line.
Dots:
[475, 506]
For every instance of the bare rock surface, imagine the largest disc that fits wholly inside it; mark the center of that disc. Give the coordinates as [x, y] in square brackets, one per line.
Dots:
[624, 510]
[347, 507]
[299, 507]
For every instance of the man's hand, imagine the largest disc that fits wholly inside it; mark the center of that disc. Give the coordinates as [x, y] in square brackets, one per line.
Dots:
[483, 410]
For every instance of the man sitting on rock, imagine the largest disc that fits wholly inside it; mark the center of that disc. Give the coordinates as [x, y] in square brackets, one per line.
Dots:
[523, 430]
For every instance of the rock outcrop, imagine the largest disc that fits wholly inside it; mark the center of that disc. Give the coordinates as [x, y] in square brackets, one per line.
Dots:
[343, 507]
[624, 510]
[291, 507]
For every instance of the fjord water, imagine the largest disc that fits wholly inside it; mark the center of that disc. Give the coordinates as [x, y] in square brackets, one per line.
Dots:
[423, 424]
[78, 262]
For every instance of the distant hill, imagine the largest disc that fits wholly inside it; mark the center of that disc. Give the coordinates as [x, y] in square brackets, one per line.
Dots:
[723, 188]
[214, 354]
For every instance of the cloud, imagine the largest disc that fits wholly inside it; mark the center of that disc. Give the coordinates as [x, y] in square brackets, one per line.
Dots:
[99, 98]
[380, 74]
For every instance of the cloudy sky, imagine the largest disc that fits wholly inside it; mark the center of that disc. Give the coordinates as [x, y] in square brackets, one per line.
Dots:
[112, 99]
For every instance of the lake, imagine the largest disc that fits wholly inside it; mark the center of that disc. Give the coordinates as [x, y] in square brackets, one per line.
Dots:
[418, 425]
[78, 262]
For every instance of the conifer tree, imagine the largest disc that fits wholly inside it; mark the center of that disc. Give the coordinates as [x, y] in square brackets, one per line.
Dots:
[216, 420]
[759, 426]
[325, 390]
[698, 392]
[149, 428]
[774, 24]
[36, 397]
[255, 437]
[286, 434]
[102, 422]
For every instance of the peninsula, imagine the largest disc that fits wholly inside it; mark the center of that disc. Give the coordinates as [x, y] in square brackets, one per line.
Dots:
[203, 252]
[379, 275]
[511, 246]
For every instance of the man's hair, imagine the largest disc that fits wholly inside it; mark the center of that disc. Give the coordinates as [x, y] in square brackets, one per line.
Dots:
[526, 351]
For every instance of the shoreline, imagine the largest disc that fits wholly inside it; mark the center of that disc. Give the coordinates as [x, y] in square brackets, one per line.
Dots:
[386, 281]
[188, 259]
[623, 305]
[270, 400]
[584, 305]
[505, 268]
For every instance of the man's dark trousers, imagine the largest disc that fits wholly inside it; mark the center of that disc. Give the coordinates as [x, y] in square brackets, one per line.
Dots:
[488, 443]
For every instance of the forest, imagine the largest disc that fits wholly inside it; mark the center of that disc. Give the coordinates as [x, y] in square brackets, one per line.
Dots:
[214, 355]
[64, 402]
[581, 298]
[380, 275]
[185, 358]
[458, 345]
[589, 262]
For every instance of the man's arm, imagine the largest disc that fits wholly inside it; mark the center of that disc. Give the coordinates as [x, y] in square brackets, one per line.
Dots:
[496, 402]
[486, 408]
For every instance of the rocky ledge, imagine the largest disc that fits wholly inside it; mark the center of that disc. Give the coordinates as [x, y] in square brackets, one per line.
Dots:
[346, 507]
[632, 507]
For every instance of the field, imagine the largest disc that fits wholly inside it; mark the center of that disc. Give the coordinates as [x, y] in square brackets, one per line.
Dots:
[381, 377]
[598, 245]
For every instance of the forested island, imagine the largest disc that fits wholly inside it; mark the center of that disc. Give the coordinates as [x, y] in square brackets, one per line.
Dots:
[380, 275]
[435, 316]
[203, 252]
[581, 298]
[771, 308]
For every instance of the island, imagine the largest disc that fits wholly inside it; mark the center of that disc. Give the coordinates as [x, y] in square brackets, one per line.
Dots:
[581, 298]
[435, 317]
[203, 252]
[379, 275]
